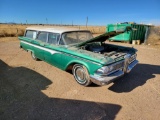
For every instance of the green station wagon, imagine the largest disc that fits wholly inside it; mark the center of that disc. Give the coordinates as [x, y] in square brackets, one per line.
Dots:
[89, 59]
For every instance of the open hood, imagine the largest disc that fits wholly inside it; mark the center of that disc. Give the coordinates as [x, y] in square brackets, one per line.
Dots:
[106, 36]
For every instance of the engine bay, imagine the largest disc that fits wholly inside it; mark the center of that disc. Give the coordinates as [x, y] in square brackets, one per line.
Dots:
[105, 49]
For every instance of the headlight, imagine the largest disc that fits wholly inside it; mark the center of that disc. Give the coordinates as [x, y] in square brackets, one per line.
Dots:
[111, 68]
[103, 70]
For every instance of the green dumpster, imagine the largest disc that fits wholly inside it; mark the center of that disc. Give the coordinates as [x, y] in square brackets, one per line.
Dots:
[139, 34]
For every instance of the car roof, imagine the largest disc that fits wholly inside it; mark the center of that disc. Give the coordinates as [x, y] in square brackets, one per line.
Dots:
[54, 29]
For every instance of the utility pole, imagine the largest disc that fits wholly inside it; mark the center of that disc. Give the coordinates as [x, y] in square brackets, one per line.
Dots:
[46, 21]
[86, 21]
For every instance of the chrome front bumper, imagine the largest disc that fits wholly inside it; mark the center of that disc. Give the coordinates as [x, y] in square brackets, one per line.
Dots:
[104, 80]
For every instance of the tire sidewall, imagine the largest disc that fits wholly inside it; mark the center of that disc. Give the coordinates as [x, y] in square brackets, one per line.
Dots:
[33, 56]
[87, 78]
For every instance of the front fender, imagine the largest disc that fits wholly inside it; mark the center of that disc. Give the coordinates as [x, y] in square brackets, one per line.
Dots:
[91, 67]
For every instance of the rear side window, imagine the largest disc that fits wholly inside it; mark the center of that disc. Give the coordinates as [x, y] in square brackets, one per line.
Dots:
[53, 38]
[31, 34]
[42, 36]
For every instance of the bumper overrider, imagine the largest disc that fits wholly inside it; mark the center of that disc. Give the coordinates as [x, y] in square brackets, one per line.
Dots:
[104, 80]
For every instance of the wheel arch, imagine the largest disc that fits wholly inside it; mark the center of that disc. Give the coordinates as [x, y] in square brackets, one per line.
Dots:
[29, 50]
[71, 64]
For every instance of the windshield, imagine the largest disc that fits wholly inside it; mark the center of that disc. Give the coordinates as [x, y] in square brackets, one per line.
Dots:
[75, 37]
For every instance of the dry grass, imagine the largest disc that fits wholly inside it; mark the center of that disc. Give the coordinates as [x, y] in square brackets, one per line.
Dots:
[154, 36]
[95, 29]
[11, 30]
[18, 30]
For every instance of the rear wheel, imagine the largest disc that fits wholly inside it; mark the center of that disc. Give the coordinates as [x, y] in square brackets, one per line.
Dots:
[33, 56]
[81, 75]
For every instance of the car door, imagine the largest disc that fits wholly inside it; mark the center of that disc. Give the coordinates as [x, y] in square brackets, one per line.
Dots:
[26, 41]
[39, 45]
[52, 54]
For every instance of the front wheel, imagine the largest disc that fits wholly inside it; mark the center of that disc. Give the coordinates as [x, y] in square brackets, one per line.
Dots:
[81, 75]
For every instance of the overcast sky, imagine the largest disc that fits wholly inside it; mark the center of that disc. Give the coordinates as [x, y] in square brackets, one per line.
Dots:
[99, 12]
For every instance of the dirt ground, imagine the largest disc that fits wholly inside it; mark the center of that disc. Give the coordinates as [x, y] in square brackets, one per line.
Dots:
[35, 90]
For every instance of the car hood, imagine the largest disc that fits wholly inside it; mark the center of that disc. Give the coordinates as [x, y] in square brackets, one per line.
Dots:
[106, 36]
[91, 56]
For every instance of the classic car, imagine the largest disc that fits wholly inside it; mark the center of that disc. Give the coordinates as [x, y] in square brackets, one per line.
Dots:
[89, 59]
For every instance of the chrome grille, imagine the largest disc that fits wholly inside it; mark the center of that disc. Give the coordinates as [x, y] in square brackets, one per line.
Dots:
[132, 58]
[126, 62]
[118, 65]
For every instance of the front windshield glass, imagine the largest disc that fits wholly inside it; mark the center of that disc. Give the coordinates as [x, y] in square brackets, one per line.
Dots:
[75, 37]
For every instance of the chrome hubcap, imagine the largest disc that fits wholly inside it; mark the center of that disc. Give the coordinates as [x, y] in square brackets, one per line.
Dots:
[80, 74]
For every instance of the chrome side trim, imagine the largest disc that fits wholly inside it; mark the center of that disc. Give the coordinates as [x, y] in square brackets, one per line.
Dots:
[81, 58]
[42, 48]
[54, 52]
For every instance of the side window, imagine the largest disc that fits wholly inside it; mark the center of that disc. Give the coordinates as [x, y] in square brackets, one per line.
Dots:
[31, 34]
[42, 36]
[53, 38]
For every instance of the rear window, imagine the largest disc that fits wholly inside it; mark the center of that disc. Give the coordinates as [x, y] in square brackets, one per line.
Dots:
[31, 34]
